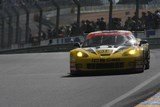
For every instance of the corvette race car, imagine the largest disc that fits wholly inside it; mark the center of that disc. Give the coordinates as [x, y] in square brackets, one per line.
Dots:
[110, 51]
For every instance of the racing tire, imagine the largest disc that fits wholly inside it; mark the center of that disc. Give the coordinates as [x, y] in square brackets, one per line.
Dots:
[147, 64]
[140, 70]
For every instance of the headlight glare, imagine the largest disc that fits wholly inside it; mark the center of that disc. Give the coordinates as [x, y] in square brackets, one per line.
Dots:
[80, 54]
[132, 52]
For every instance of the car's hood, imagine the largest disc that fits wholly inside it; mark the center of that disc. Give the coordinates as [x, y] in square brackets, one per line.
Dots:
[106, 50]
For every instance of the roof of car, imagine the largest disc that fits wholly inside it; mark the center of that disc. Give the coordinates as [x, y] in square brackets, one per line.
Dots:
[109, 33]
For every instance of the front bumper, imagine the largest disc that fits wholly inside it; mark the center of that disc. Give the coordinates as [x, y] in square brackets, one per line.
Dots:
[106, 65]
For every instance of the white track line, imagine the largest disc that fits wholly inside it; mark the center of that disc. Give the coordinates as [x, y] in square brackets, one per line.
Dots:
[132, 91]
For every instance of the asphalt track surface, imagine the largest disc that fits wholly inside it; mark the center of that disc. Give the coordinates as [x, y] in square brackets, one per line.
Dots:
[42, 80]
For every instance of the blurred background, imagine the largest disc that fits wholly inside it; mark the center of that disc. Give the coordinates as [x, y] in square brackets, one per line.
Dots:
[27, 23]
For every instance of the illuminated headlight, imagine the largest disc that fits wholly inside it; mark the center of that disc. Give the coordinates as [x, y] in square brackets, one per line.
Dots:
[80, 54]
[132, 52]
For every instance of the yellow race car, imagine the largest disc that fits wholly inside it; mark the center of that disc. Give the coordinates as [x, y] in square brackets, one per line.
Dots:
[105, 51]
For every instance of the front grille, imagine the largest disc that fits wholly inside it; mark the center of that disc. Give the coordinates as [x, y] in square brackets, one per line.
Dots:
[105, 65]
[105, 54]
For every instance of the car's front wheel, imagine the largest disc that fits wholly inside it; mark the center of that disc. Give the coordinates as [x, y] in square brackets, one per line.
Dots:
[147, 65]
[147, 62]
[140, 70]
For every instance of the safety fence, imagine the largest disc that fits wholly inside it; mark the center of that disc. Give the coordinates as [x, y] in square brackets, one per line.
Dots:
[40, 49]
[148, 34]
[152, 36]
[154, 43]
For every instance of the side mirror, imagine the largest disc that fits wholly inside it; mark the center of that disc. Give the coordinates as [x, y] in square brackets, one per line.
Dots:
[143, 42]
[77, 45]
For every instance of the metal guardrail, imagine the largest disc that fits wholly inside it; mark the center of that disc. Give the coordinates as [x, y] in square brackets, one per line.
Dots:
[154, 42]
[40, 49]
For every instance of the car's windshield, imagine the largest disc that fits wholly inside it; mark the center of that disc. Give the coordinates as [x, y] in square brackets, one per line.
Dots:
[115, 40]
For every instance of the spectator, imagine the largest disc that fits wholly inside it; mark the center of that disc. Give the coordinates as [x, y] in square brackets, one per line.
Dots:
[129, 24]
[67, 30]
[157, 19]
[43, 35]
[150, 22]
[83, 27]
[49, 32]
[74, 29]
[89, 28]
[61, 31]
[116, 23]
[143, 20]
[98, 23]
[54, 33]
[102, 24]
[134, 17]
[94, 26]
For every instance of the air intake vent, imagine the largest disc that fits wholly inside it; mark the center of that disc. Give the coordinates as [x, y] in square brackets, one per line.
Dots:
[105, 54]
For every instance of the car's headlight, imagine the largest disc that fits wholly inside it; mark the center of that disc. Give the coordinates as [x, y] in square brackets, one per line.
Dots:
[132, 52]
[81, 54]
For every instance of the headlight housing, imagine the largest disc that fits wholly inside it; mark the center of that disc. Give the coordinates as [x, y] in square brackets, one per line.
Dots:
[131, 52]
[81, 54]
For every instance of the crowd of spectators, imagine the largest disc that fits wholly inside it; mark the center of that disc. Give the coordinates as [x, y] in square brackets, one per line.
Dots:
[148, 20]
[86, 27]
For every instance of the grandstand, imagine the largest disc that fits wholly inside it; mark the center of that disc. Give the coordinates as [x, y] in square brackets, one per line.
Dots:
[90, 10]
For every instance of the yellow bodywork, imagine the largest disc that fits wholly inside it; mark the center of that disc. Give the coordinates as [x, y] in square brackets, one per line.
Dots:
[87, 59]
